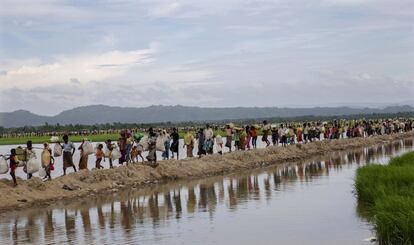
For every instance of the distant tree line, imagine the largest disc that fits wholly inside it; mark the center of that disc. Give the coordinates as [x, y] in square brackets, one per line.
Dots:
[118, 125]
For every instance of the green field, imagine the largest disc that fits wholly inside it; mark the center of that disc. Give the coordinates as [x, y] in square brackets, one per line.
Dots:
[93, 138]
[387, 195]
[42, 139]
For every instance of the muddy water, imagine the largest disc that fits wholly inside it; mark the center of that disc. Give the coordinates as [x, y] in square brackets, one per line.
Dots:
[300, 203]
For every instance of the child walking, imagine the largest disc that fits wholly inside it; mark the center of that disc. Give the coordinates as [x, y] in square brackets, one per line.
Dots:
[137, 152]
[99, 156]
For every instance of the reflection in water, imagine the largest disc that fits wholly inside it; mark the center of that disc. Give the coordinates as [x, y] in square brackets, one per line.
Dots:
[153, 208]
[126, 215]
[112, 216]
[49, 225]
[191, 200]
[86, 221]
[69, 226]
[101, 218]
[132, 211]
[177, 202]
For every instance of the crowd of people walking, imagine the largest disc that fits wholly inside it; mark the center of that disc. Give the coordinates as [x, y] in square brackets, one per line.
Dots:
[203, 141]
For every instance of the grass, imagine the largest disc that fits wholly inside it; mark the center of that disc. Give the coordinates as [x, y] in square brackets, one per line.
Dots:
[93, 138]
[42, 139]
[388, 194]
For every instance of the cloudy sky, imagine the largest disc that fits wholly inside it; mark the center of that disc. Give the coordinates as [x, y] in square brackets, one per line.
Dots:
[57, 54]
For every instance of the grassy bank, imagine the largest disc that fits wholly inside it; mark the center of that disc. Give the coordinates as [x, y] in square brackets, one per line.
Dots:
[388, 193]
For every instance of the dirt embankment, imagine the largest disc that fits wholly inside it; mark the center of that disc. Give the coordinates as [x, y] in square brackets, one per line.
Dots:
[34, 192]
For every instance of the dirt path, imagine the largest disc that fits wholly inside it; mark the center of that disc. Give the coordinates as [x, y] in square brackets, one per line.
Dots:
[85, 183]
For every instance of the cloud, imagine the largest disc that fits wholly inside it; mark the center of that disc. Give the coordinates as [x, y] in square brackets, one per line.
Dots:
[85, 67]
[250, 29]
[401, 8]
[208, 53]
[349, 2]
[164, 9]
[39, 8]
[322, 88]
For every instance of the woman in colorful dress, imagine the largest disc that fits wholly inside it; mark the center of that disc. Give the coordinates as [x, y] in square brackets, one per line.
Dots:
[83, 161]
[189, 143]
[299, 134]
[248, 137]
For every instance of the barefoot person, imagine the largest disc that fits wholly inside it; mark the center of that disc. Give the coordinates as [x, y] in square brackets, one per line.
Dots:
[68, 151]
[152, 148]
[175, 143]
[129, 145]
[166, 138]
[248, 137]
[189, 143]
[99, 156]
[266, 129]
[13, 165]
[47, 161]
[83, 161]
[236, 139]
[275, 136]
[122, 144]
[282, 135]
[208, 139]
[137, 152]
[219, 144]
[30, 153]
[200, 139]
[229, 136]
[253, 133]
[243, 136]
[110, 148]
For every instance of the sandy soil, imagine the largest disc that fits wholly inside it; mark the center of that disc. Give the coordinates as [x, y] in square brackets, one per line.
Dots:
[86, 183]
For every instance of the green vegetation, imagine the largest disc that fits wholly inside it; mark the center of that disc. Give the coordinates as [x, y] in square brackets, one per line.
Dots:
[194, 124]
[141, 126]
[76, 138]
[42, 139]
[387, 192]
